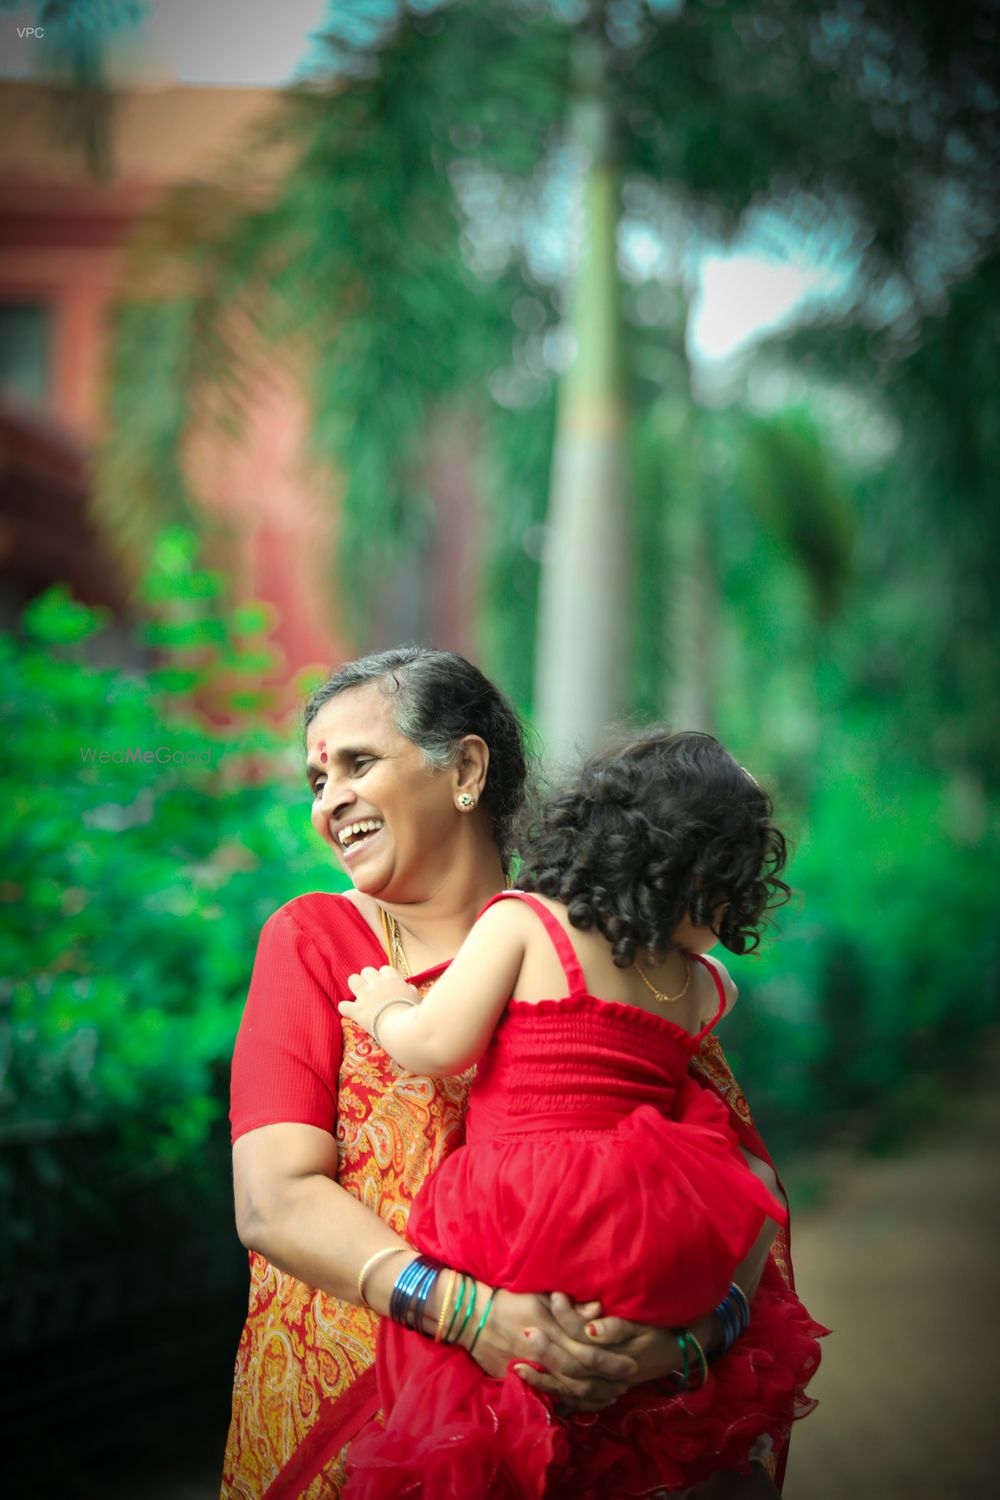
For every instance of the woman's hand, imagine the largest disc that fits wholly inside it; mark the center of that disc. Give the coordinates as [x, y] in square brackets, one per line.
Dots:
[653, 1351]
[582, 1374]
[372, 989]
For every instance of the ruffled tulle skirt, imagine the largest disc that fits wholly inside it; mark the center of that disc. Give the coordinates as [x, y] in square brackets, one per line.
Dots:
[455, 1434]
[648, 1214]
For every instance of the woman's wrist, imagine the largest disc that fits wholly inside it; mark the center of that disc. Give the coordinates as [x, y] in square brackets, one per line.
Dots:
[382, 1276]
[708, 1332]
[421, 1293]
[457, 1309]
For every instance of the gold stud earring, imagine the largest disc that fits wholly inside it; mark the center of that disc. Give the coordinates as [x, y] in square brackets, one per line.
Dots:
[465, 802]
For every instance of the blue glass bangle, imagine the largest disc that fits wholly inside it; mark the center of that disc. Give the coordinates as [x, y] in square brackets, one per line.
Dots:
[733, 1312]
[730, 1325]
[412, 1290]
[405, 1276]
[743, 1306]
[406, 1317]
[420, 1296]
[406, 1282]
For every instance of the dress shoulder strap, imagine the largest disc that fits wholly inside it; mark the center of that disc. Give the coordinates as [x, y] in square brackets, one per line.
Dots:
[557, 933]
[720, 991]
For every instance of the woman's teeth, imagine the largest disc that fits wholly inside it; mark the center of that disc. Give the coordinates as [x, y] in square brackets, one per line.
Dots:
[353, 833]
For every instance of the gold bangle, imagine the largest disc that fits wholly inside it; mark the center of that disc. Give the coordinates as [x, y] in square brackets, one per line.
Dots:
[449, 1287]
[371, 1263]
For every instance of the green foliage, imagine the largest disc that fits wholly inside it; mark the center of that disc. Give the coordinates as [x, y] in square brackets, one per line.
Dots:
[145, 846]
[420, 178]
[516, 490]
[886, 967]
[836, 599]
[789, 481]
[840, 610]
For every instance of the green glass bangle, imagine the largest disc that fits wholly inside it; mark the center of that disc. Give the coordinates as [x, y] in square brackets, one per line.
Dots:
[681, 1378]
[453, 1339]
[682, 1340]
[700, 1356]
[482, 1320]
[454, 1311]
[472, 1307]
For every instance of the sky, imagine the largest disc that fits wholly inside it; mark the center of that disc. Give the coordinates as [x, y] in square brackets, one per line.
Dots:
[230, 42]
[236, 43]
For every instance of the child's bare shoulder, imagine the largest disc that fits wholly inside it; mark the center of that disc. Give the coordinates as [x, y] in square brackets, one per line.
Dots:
[509, 915]
[514, 914]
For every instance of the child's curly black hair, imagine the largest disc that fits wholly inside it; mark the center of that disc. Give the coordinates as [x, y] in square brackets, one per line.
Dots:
[665, 826]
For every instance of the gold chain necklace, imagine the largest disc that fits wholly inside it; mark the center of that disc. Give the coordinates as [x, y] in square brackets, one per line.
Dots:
[394, 944]
[665, 999]
[394, 939]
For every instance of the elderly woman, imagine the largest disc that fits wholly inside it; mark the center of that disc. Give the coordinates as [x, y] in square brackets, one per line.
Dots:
[417, 769]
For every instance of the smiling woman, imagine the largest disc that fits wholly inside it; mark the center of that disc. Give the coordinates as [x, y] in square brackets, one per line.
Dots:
[417, 769]
[388, 813]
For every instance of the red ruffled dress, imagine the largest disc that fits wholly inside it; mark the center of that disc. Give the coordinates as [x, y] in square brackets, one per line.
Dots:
[595, 1166]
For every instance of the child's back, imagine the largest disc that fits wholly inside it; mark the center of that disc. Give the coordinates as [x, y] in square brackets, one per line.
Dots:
[679, 989]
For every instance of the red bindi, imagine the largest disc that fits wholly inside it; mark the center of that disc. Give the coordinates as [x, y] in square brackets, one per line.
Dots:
[322, 751]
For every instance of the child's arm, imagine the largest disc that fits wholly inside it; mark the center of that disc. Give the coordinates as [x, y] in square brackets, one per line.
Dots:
[451, 1028]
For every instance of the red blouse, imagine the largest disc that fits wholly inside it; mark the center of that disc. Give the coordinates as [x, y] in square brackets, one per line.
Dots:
[304, 1380]
[290, 1041]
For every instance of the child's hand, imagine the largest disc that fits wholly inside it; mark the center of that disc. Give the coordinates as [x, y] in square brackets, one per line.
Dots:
[372, 988]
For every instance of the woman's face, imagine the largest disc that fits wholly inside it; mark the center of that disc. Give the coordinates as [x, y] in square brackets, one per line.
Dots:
[389, 820]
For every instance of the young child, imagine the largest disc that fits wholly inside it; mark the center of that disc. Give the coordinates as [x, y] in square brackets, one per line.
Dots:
[593, 1162]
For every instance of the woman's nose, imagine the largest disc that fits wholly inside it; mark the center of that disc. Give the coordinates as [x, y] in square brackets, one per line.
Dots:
[336, 797]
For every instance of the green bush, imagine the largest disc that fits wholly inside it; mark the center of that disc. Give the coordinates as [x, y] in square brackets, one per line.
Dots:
[886, 966]
[144, 848]
[138, 887]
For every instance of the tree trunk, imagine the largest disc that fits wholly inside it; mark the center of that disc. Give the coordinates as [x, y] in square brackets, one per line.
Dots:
[691, 601]
[585, 602]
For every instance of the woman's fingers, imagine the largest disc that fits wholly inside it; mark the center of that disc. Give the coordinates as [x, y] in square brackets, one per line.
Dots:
[582, 1322]
[572, 1318]
[584, 1309]
[572, 1395]
[611, 1330]
[576, 1361]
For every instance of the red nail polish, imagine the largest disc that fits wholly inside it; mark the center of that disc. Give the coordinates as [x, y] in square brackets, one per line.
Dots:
[527, 1333]
[592, 1330]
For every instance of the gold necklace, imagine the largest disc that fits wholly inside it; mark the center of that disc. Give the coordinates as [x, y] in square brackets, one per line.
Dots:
[394, 944]
[665, 999]
[394, 938]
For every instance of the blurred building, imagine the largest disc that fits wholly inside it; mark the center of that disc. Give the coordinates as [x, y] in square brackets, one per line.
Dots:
[62, 237]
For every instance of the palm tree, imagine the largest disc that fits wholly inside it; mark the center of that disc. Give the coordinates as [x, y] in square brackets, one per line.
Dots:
[398, 253]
